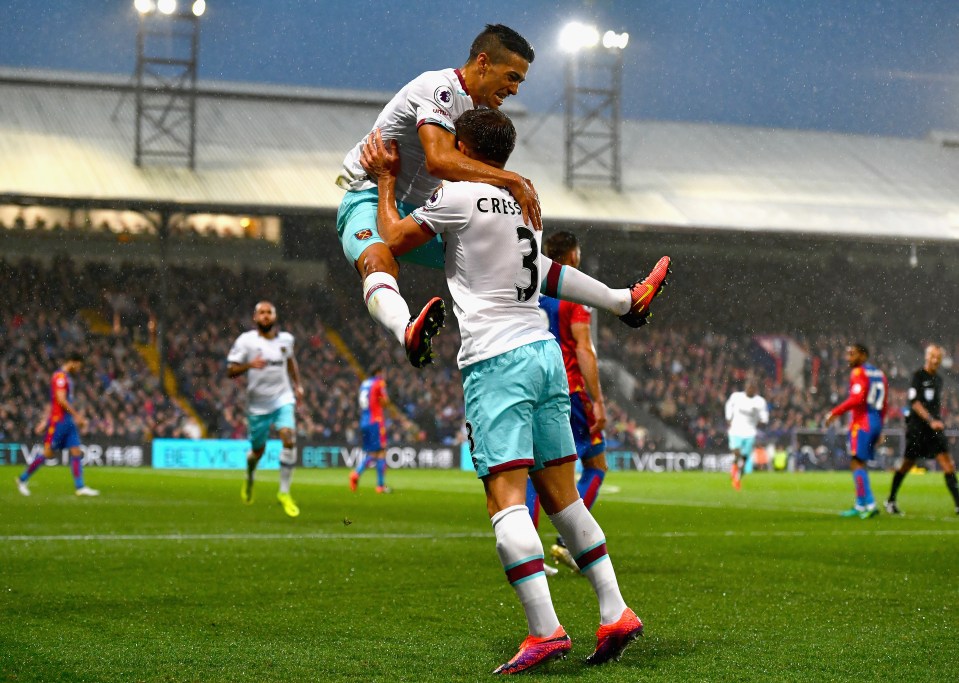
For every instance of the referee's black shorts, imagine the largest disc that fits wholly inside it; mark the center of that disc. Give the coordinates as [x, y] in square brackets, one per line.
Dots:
[925, 443]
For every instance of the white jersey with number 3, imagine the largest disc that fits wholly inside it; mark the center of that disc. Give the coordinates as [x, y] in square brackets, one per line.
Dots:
[492, 268]
[435, 97]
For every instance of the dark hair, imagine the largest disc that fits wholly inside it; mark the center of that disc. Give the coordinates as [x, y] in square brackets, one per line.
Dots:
[861, 348]
[497, 40]
[488, 132]
[559, 244]
[74, 357]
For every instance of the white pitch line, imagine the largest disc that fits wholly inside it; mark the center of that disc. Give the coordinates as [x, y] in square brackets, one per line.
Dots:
[238, 537]
[721, 505]
[484, 535]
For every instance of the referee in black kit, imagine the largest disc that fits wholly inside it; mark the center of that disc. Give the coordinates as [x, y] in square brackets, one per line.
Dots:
[925, 435]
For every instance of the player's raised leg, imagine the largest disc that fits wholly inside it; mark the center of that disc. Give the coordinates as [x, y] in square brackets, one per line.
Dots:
[630, 304]
[378, 268]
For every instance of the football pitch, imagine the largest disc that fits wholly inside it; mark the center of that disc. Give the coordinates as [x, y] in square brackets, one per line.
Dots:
[169, 577]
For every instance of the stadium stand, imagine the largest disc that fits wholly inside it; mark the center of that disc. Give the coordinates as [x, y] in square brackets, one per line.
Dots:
[779, 234]
[684, 373]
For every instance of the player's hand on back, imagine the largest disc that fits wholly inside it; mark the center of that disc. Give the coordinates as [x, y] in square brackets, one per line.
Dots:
[378, 157]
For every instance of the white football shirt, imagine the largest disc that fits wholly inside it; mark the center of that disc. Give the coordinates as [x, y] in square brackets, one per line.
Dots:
[492, 268]
[744, 413]
[268, 388]
[435, 97]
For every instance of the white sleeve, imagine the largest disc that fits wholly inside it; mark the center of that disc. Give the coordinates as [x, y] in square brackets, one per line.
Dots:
[237, 352]
[448, 210]
[729, 407]
[430, 97]
[291, 341]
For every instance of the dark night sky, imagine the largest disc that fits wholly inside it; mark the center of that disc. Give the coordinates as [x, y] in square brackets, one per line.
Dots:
[883, 67]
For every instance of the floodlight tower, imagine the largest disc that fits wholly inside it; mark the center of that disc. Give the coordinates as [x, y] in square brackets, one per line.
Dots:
[593, 93]
[168, 41]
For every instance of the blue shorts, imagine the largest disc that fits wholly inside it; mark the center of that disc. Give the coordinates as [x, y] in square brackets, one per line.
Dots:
[356, 228]
[62, 434]
[744, 444]
[517, 410]
[374, 436]
[259, 425]
[862, 442]
[581, 419]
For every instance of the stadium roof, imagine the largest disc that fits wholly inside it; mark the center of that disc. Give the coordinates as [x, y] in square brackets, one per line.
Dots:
[70, 137]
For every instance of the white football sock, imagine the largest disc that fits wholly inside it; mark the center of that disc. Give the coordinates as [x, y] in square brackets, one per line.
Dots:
[585, 540]
[517, 544]
[287, 463]
[385, 303]
[570, 284]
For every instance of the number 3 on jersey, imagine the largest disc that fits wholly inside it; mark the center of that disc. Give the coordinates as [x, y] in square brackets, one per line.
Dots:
[530, 252]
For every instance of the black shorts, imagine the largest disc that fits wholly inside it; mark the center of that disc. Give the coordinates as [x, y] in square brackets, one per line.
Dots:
[925, 443]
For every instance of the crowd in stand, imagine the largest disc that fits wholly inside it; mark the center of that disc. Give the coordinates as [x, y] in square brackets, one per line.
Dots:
[684, 374]
[40, 322]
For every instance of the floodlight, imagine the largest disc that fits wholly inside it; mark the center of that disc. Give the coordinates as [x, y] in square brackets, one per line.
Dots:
[144, 6]
[199, 7]
[166, 6]
[612, 40]
[576, 36]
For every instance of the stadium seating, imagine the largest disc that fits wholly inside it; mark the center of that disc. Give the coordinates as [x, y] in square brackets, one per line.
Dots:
[684, 372]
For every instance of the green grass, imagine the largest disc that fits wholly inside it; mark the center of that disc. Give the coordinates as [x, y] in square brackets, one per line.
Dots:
[168, 577]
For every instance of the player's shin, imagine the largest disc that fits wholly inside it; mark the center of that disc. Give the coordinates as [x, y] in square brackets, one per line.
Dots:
[864, 497]
[570, 284]
[897, 479]
[76, 468]
[521, 553]
[532, 503]
[385, 303]
[588, 485]
[953, 487]
[33, 467]
[287, 463]
[381, 472]
[586, 542]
